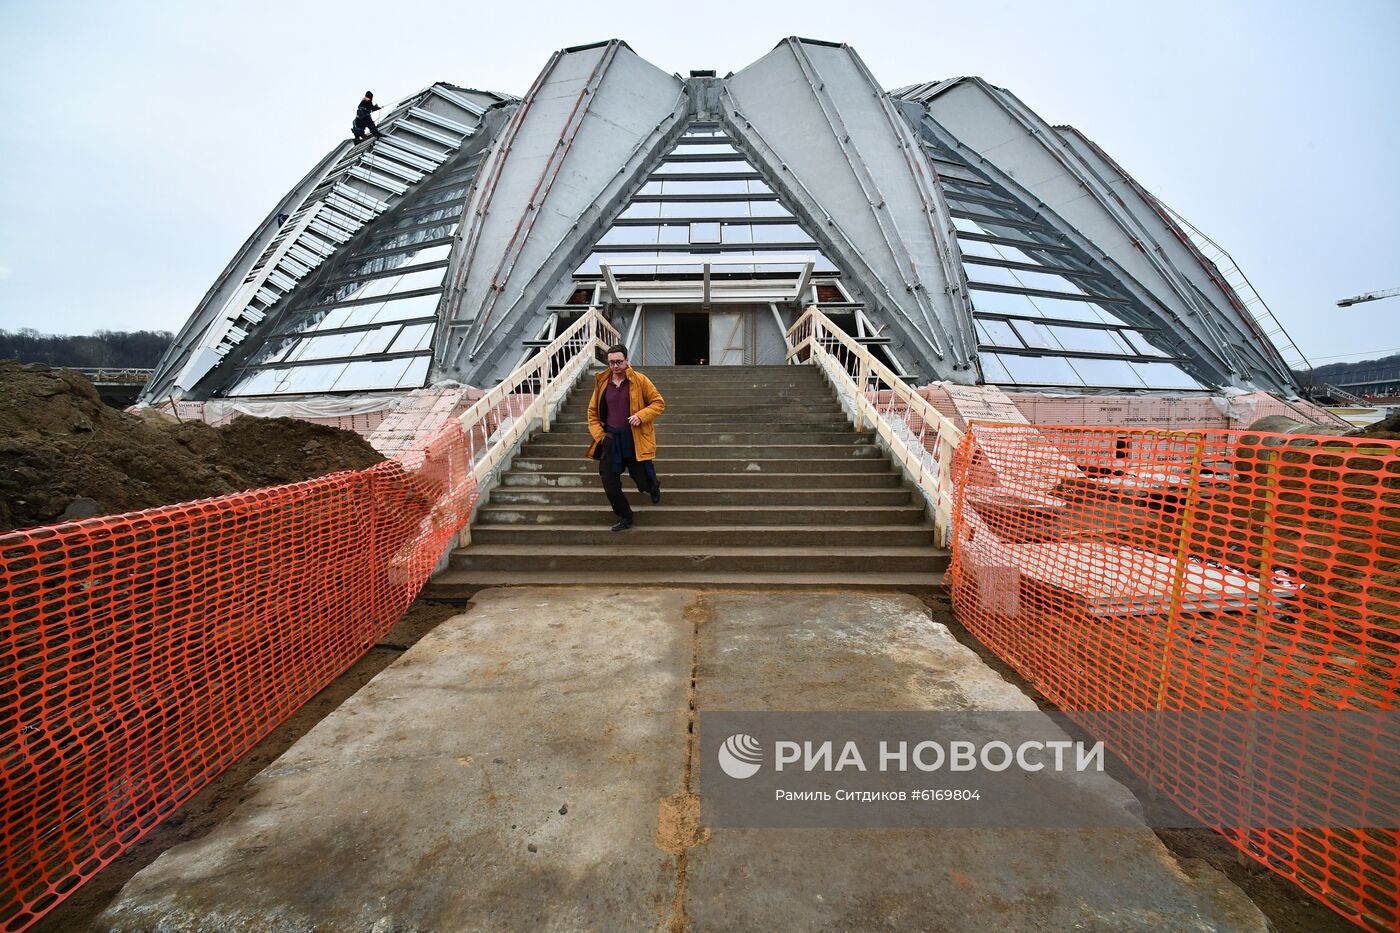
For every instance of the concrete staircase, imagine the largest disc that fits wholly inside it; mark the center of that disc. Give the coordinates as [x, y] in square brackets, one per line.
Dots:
[764, 484]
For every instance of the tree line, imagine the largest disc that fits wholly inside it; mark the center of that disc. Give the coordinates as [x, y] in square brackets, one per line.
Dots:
[103, 349]
[1334, 370]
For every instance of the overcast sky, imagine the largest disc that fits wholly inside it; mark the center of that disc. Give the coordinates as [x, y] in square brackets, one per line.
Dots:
[141, 142]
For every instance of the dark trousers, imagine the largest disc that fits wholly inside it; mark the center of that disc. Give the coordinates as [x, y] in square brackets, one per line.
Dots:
[361, 125]
[643, 473]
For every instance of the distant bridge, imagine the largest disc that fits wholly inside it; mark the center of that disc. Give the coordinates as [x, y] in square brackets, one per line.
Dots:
[118, 386]
[116, 377]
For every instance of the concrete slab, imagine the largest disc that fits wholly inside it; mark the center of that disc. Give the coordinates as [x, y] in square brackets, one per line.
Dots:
[504, 773]
[869, 651]
[528, 763]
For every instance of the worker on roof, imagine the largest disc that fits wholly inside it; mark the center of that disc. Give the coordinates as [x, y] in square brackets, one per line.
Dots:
[363, 120]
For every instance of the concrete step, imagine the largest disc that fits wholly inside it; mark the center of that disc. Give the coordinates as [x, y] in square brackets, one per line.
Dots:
[756, 368]
[774, 412]
[720, 371]
[814, 396]
[588, 479]
[727, 395]
[727, 419]
[691, 435]
[513, 495]
[581, 464]
[672, 450]
[737, 387]
[599, 558]
[666, 514]
[701, 538]
[455, 584]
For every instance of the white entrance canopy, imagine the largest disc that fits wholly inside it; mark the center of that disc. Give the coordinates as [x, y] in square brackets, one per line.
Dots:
[785, 279]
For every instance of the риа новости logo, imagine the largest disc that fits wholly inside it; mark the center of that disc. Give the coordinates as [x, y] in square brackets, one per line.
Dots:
[740, 756]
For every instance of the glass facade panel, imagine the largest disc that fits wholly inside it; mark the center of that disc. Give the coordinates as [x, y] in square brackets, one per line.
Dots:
[376, 341]
[977, 247]
[705, 208]
[694, 168]
[707, 232]
[988, 209]
[326, 347]
[700, 220]
[997, 333]
[1037, 336]
[401, 260]
[1038, 306]
[311, 378]
[697, 147]
[1038, 370]
[703, 186]
[629, 235]
[1090, 340]
[738, 233]
[999, 275]
[413, 337]
[1166, 376]
[1142, 345]
[410, 237]
[994, 251]
[780, 233]
[370, 374]
[455, 193]
[388, 285]
[261, 382]
[993, 371]
[417, 373]
[1109, 373]
[768, 209]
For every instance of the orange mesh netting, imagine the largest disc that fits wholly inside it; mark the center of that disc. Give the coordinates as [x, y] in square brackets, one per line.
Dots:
[1205, 571]
[142, 653]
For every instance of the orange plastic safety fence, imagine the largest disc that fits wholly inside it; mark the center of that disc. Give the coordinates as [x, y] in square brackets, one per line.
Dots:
[1219, 570]
[140, 654]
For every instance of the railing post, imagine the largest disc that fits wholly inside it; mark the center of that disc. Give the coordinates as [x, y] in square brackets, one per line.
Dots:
[861, 380]
[544, 395]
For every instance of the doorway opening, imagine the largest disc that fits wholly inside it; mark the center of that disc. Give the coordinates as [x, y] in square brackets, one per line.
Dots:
[692, 339]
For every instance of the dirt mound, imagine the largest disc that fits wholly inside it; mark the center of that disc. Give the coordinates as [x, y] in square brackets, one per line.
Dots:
[1387, 429]
[66, 454]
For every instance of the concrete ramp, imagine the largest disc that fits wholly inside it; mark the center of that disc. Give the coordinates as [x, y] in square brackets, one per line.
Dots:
[527, 765]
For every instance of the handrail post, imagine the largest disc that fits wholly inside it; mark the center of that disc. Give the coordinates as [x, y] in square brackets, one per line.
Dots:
[544, 394]
[861, 380]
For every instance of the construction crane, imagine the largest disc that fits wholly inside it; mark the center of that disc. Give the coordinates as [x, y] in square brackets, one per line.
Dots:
[1369, 296]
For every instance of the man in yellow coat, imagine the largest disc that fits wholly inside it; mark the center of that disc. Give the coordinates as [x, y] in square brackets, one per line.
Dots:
[620, 416]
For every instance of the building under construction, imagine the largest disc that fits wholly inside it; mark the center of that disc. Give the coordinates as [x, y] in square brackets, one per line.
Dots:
[944, 225]
[935, 372]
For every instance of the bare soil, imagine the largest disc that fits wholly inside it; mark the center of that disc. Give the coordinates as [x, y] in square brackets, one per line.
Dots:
[65, 454]
[203, 812]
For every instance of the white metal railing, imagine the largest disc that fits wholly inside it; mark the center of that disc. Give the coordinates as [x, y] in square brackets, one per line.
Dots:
[500, 420]
[920, 438]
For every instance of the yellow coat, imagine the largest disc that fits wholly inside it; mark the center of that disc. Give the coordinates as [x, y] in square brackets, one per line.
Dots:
[646, 403]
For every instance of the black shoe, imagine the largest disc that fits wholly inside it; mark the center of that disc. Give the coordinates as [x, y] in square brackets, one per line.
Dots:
[622, 524]
[656, 494]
